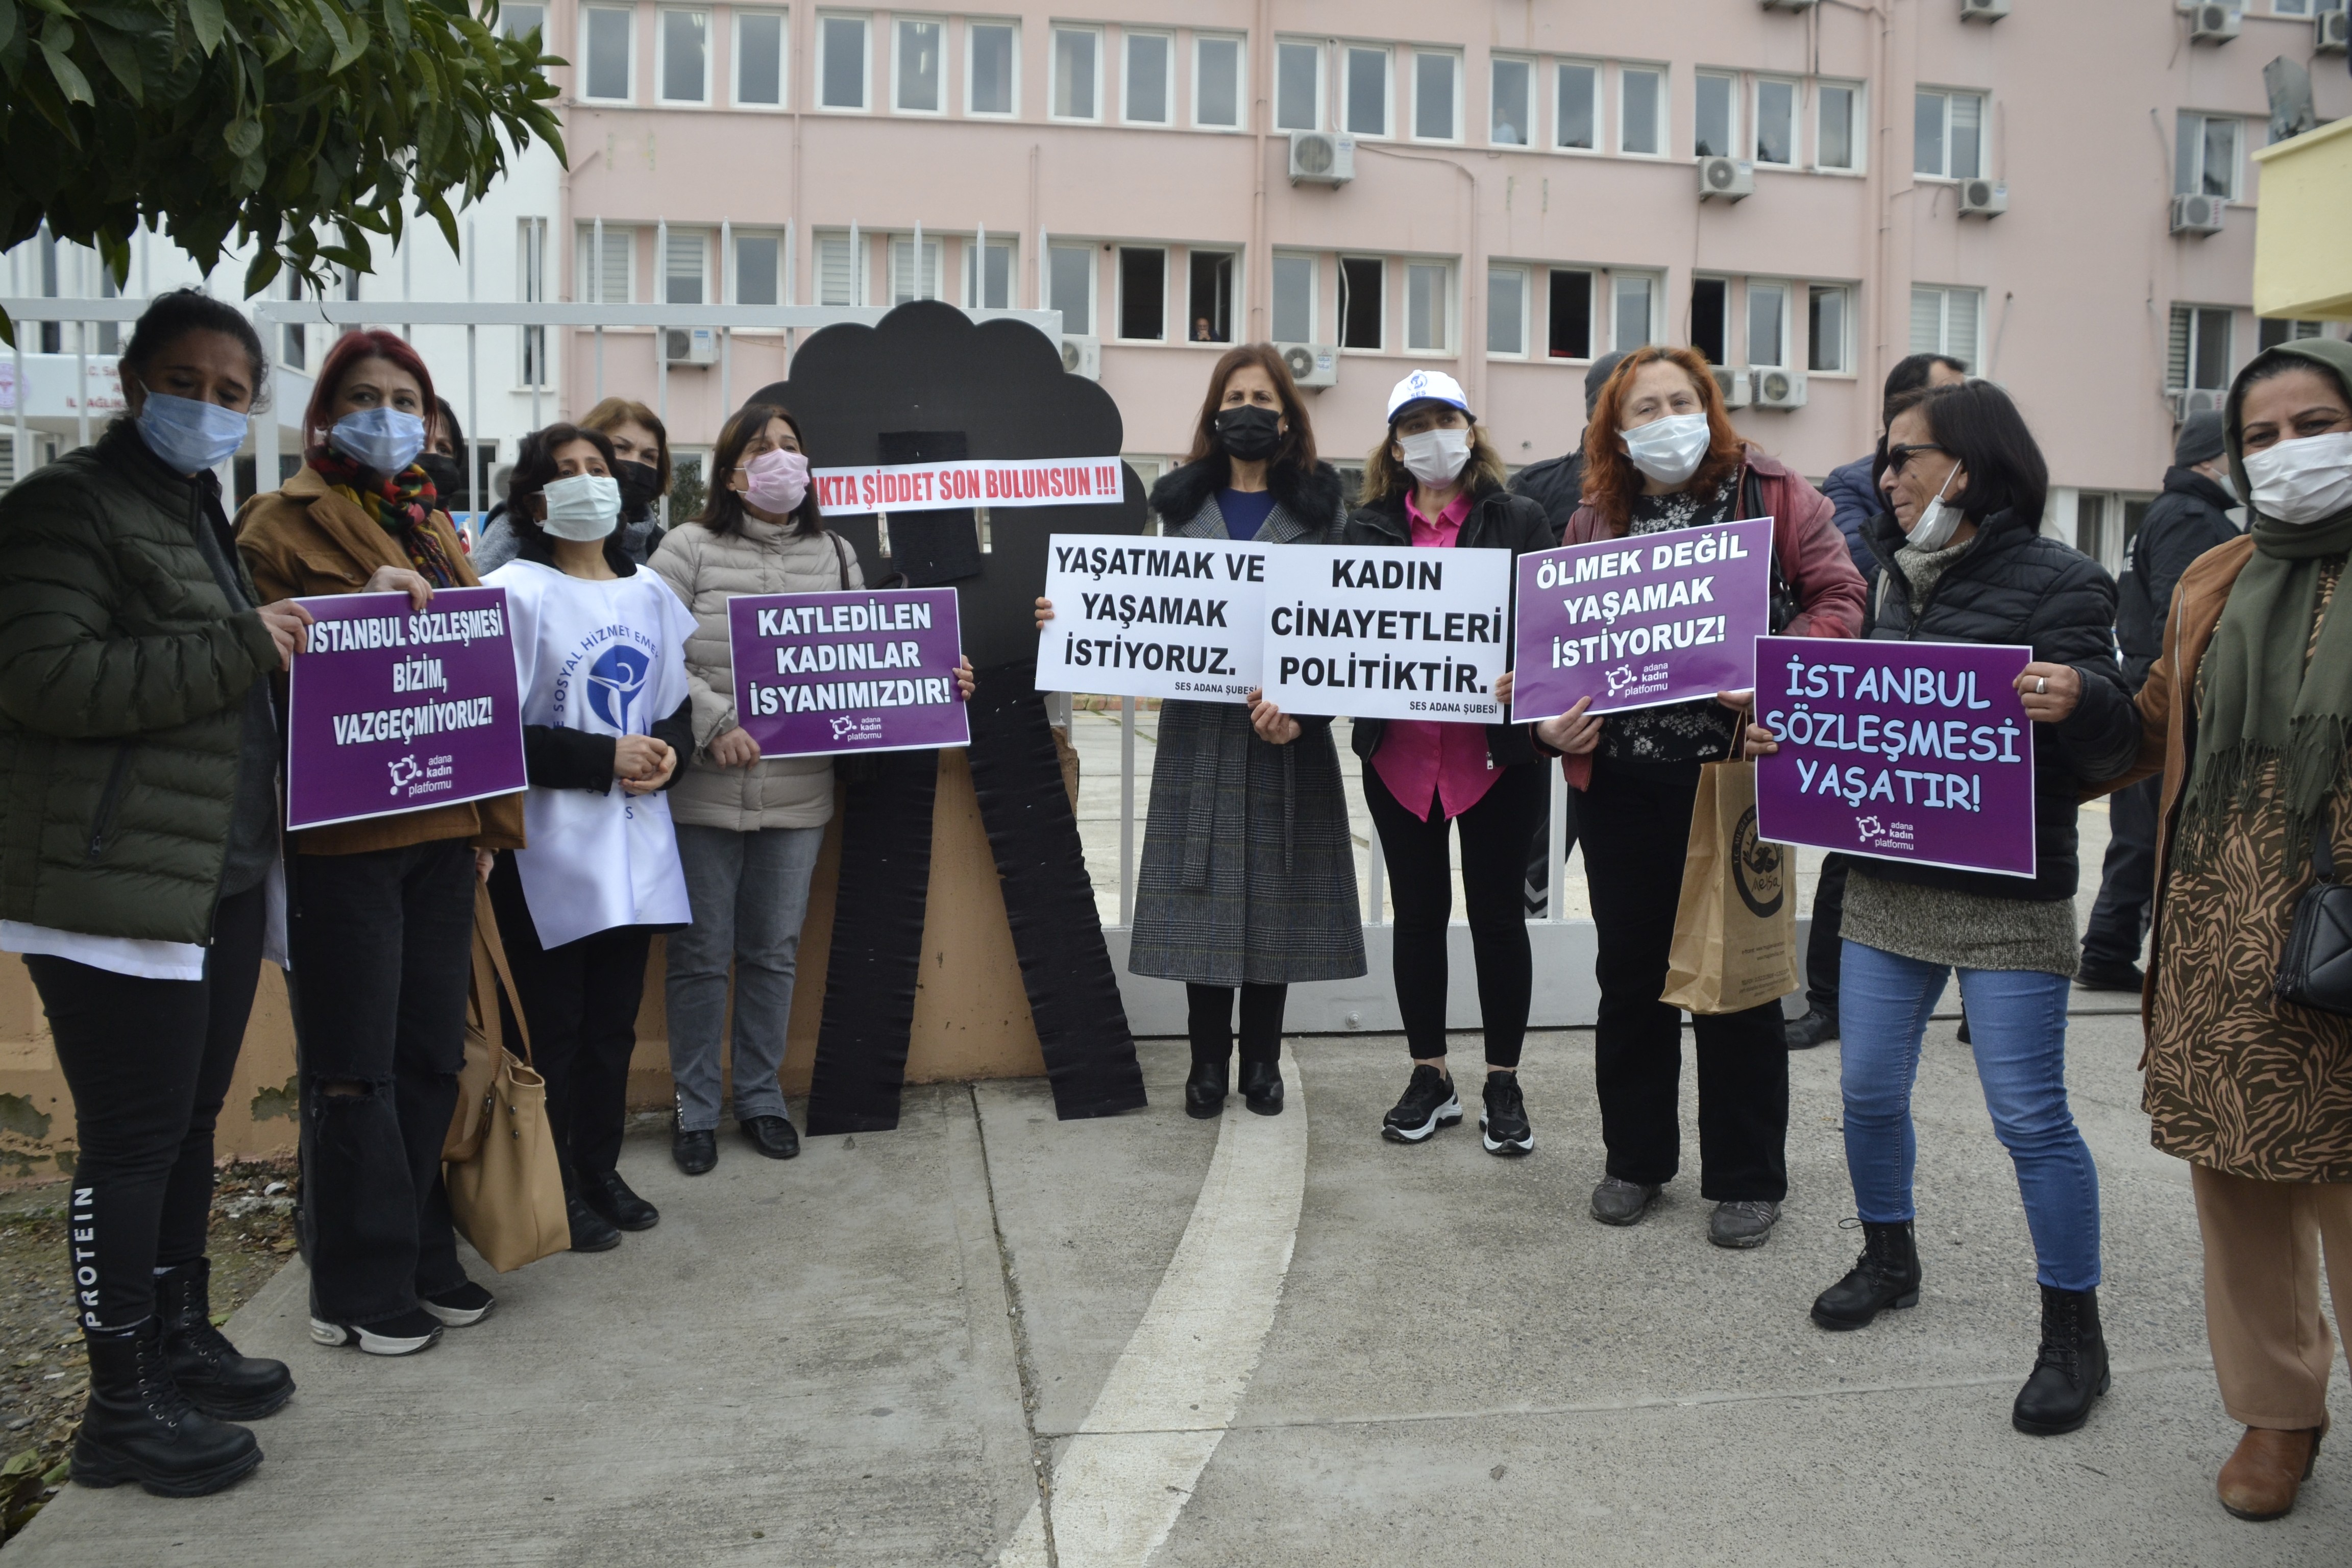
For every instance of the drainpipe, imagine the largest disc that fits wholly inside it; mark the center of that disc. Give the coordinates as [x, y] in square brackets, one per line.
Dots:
[1261, 265]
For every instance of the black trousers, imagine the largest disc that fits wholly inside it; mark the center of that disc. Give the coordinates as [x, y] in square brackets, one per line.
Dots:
[1825, 944]
[580, 1001]
[148, 1063]
[2128, 876]
[1636, 836]
[1209, 1018]
[1540, 858]
[1495, 837]
[383, 947]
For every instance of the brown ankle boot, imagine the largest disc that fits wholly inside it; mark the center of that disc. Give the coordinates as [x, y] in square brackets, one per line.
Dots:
[2262, 1478]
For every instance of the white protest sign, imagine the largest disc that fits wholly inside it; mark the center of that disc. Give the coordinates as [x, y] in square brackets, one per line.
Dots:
[1153, 618]
[1383, 632]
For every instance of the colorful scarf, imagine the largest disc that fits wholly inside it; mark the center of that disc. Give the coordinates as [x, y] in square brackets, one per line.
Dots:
[401, 504]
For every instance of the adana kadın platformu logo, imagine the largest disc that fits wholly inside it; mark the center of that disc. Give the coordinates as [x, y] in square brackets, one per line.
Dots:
[406, 771]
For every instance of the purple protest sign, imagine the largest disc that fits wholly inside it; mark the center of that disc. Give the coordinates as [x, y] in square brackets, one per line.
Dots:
[1900, 751]
[393, 709]
[1643, 620]
[819, 673]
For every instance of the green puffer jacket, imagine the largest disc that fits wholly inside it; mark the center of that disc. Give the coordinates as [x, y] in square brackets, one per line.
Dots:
[121, 676]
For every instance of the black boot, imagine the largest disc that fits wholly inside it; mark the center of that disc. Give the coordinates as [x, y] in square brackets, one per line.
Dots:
[139, 1426]
[2071, 1373]
[216, 1380]
[1886, 1275]
[1261, 1087]
[1205, 1090]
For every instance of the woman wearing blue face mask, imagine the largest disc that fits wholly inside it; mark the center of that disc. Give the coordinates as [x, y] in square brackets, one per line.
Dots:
[383, 907]
[601, 650]
[136, 725]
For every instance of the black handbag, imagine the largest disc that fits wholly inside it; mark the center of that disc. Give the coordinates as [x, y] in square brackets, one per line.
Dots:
[2316, 971]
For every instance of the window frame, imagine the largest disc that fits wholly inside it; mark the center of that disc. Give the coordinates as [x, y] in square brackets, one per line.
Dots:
[1750, 289]
[1970, 355]
[1592, 277]
[1322, 109]
[1524, 276]
[1454, 136]
[1657, 281]
[1387, 53]
[973, 272]
[1559, 67]
[1449, 309]
[1721, 282]
[934, 245]
[1734, 124]
[1796, 124]
[2202, 119]
[1314, 260]
[531, 233]
[819, 240]
[864, 21]
[1381, 314]
[507, 29]
[1053, 34]
[1847, 295]
[1119, 292]
[899, 21]
[1984, 106]
[1857, 140]
[1240, 42]
[1235, 314]
[735, 55]
[1166, 37]
[1011, 25]
[732, 283]
[1533, 65]
[583, 75]
[2196, 314]
[620, 238]
[1662, 132]
[704, 238]
[662, 14]
[1092, 251]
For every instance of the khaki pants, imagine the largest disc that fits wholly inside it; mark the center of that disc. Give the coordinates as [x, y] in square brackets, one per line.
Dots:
[2262, 1247]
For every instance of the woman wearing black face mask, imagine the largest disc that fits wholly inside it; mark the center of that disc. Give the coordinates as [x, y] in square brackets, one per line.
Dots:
[1248, 878]
[641, 464]
[444, 460]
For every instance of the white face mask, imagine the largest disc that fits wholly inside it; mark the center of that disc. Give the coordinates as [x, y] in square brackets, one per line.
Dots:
[582, 508]
[1435, 457]
[2302, 481]
[1669, 449]
[1938, 520]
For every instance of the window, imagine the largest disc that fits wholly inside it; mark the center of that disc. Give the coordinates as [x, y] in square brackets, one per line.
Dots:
[991, 65]
[1710, 323]
[1948, 134]
[1217, 83]
[607, 35]
[2304, 8]
[841, 49]
[2200, 356]
[1776, 122]
[1298, 86]
[1209, 316]
[1768, 323]
[1944, 322]
[1826, 313]
[1293, 299]
[1506, 311]
[759, 269]
[1436, 93]
[2271, 331]
[611, 279]
[759, 60]
[530, 288]
[918, 62]
[1641, 110]
[1636, 310]
[294, 345]
[837, 271]
[685, 66]
[2208, 161]
[1570, 336]
[2091, 524]
[1839, 106]
[906, 282]
[1142, 293]
[685, 267]
[1364, 107]
[521, 21]
[1363, 298]
[1510, 103]
[988, 276]
[1148, 95]
[1071, 287]
[1428, 306]
[1580, 106]
[1714, 134]
[1077, 73]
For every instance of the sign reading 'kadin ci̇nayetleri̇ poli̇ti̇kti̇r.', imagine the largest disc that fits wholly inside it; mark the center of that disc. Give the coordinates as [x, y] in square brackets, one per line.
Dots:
[1641, 621]
[870, 670]
[394, 709]
[1387, 631]
[1160, 618]
[1916, 752]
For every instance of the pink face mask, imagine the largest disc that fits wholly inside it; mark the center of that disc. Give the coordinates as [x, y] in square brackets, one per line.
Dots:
[775, 481]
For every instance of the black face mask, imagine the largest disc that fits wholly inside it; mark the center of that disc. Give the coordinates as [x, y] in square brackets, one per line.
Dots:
[448, 477]
[1250, 434]
[640, 487]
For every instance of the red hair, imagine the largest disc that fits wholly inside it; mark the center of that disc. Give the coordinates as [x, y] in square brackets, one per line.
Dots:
[1611, 479]
[348, 350]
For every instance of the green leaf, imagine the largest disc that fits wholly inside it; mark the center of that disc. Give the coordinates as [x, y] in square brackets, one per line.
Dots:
[8, 23]
[204, 16]
[121, 57]
[70, 81]
[242, 137]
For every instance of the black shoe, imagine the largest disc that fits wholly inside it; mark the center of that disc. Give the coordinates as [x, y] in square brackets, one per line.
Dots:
[1815, 1028]
[696, 1153]
[1742, 1223]
[460, 1305]
[139, 1426]
[772, 1135]
[590, 1232]
[1429, 1103]
[611, 1197]
[1886, 1275]
[1262, 1088]
[1204, 1089]
[2071, 1373]
[414, 1331]
[1617, 1201]
[2098, 975]
[208, 1369]
[1504, 1121]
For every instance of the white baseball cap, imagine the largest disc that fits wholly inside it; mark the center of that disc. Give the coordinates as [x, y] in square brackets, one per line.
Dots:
[1426, 385]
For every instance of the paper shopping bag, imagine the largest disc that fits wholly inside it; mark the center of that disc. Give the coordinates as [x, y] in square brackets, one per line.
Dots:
[1736, 927]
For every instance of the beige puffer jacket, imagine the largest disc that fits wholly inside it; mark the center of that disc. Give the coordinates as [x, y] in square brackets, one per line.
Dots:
[706, 570]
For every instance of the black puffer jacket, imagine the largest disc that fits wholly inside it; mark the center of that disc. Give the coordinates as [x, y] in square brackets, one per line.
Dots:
[2014, 586]
[2188, 519]
[1497, 521]
[1556, 485]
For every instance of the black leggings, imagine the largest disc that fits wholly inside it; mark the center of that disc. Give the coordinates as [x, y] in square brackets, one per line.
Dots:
[1495, 835]
[148, 1063]
[1209, 1016]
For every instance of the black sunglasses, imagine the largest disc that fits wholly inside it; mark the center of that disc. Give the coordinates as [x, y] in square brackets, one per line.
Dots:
[1899, 458]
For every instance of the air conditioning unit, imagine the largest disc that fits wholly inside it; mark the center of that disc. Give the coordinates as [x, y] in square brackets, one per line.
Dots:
[1727, 178]
[1321, 158]
[2213, 22]
[1733, 383]
[689, 345]
[1778, 388]
[1082, 355]
[1983, 10]
[2331, 30]
[2198, 215]
[1310, 364]
[2202, 400]
[1982, 198]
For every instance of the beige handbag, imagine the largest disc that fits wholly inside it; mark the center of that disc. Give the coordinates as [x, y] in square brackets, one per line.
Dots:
[506, 1189]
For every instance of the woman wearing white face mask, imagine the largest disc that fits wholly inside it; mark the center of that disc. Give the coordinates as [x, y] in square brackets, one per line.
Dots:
[600, 649]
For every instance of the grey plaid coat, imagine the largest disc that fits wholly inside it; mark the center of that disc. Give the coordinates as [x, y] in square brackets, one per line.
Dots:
[1249, 872]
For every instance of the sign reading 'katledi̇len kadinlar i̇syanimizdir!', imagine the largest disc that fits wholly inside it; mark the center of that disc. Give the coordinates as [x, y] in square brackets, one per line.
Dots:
[1387, 632]
[1169, 618]
[864, 671]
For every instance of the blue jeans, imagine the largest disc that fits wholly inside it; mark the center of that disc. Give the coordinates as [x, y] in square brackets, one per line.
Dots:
[2018, 1020]
[749, 893]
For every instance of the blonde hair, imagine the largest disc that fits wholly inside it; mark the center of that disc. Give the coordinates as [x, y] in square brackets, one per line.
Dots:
[1384, 475]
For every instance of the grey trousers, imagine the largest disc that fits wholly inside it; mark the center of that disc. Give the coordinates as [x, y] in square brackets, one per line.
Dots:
[749, 893]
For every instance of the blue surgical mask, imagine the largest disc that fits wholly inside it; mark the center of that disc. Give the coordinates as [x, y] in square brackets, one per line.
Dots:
[384, 439]
[188, 434]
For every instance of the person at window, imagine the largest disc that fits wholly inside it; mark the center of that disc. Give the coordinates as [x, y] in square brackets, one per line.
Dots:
[1248, 875]
[383, 907]
[1962, 559]
[1660, 454]
[2191, 517]
[1435, 483]
[641, 464]
[1202, 331]
[136, 725]
[600, 648]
